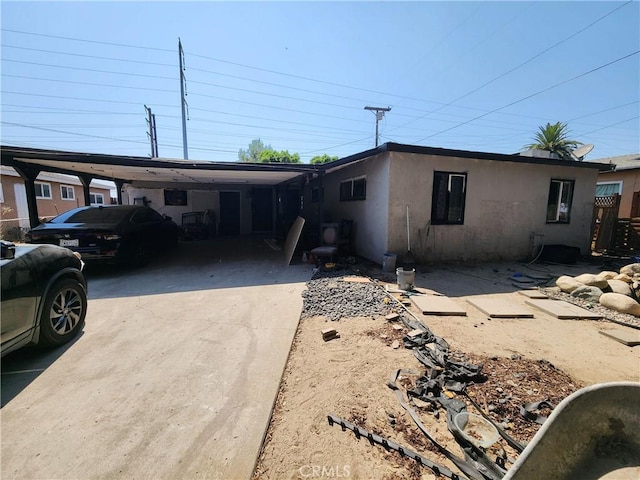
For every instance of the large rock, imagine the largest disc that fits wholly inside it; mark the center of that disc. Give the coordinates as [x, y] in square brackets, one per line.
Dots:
[607, 275]
[588, 293]
[624, 277]
[591, 280]
[620, 303]
[631, 269]
[568, 284]
[618, 286]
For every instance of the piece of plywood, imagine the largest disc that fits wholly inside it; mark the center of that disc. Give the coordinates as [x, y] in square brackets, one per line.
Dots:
[533, 294]
[292, 239]
[356, 279]
[500, 308]
[437, 305]
[627, 336]
[562, 310]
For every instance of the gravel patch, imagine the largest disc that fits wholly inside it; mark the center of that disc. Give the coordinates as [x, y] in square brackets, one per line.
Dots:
[607, 313]
[329, 296]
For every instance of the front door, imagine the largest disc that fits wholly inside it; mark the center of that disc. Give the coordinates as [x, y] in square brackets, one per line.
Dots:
[262, 209]
[229, 213]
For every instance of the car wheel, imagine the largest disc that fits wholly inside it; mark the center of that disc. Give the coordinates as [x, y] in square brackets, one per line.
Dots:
[65, 308]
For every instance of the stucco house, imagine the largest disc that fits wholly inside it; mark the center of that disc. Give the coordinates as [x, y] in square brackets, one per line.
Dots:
[463, 206]
[55, 193]
[624, 180]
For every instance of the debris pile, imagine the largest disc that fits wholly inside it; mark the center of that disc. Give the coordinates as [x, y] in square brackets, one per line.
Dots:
[334, 298]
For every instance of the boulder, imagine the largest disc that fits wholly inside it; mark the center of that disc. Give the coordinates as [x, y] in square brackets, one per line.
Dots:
[618, 286]
[568, 284]
[588, 293]
[591, 280]
[631, 269]
[624, 277]
[607, 275]
[620, 303]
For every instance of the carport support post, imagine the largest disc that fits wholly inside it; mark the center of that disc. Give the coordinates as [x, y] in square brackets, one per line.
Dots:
[119, 185]
[29, 175]
[86, 181]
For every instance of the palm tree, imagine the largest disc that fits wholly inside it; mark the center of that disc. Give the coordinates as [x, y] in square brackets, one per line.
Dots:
[553, 138]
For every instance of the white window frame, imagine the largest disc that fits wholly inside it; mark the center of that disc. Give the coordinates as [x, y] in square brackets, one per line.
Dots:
[70, 189]
[558, 211]
[42, 196]
[350, 197]
[619, 183]
[96, 195]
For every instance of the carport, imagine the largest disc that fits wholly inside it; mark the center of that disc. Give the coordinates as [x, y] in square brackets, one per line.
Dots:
[263, 197]
[179, 364]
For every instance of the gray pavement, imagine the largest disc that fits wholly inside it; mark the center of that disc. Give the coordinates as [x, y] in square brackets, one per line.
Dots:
[174, 376]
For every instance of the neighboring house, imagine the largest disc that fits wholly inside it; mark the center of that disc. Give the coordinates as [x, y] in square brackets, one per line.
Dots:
[624, 181]
[55, 193]
[463, 206]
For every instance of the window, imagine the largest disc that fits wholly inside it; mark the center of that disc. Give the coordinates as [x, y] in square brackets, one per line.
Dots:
[1, 194]
[447, 203]
[175, 197]
[96, 199]
[43, 190]
[67, 193]
[560, 198]
[605, 189]
[354, 189]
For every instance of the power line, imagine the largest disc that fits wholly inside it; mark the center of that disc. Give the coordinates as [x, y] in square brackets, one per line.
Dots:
[533, 95]
[502, 75]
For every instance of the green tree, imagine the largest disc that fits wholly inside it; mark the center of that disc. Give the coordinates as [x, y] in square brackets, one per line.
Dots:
[283, 156]
[554, 138]
[252, 154]
[324, 158]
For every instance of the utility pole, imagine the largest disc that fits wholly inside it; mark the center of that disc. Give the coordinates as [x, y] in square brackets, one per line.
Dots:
[153, 136]
[183, 101]
[379, 111]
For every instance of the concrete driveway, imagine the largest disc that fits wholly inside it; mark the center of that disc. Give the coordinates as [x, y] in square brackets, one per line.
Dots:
[174, 376]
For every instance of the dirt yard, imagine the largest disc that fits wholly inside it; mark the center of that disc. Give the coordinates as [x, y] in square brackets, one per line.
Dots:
[525, 360]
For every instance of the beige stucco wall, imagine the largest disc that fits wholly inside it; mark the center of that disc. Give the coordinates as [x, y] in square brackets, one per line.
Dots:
[630, 183]
[505, 203]
[370, 215]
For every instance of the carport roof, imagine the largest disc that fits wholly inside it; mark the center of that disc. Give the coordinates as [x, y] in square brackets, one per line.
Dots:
[129, 169]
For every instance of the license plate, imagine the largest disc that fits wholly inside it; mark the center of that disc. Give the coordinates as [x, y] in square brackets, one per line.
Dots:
[69, 243]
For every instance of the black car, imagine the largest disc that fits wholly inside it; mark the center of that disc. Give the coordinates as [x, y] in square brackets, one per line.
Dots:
[127, 234]
[44, 295]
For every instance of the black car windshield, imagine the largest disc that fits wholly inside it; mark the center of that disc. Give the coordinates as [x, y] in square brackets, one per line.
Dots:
[94, 215]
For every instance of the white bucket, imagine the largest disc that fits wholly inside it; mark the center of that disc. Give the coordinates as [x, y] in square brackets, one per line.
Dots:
[406, 278]
[389, 262]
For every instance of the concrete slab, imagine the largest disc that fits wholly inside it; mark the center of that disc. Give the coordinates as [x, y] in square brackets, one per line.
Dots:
[437, 305]
[174, 376]
[563, 310]
[628, 336]
[500, 308]
[533, 294]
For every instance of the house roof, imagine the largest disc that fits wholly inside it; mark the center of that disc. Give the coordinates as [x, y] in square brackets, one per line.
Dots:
[145, 171]
[622, 162]
[447, 152]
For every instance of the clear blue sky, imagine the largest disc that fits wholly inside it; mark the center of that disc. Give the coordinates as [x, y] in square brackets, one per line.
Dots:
[466, 75]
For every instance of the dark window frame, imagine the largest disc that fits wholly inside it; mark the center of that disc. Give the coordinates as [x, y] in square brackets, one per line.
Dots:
[557, 216]
[443, 204]
[353, 189]
[175, 197]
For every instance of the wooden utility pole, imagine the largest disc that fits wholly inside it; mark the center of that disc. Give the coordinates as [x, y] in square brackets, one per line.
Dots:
[153, 136]
[379, 111]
